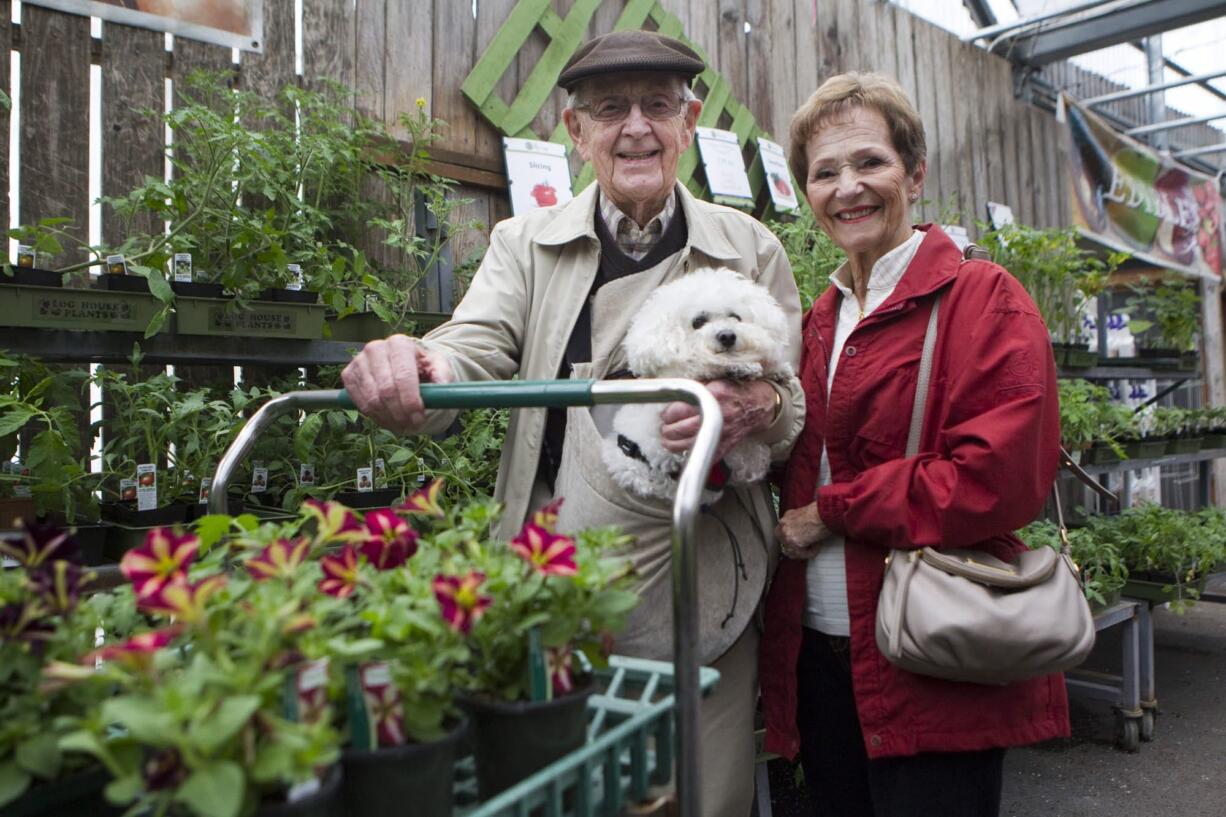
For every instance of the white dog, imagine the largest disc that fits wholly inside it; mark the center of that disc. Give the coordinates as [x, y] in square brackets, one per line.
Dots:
[709, 325]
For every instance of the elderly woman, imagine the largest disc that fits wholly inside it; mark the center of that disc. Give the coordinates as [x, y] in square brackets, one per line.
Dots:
[873, 738]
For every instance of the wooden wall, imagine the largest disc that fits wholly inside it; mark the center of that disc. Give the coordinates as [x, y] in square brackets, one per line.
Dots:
[983, 144]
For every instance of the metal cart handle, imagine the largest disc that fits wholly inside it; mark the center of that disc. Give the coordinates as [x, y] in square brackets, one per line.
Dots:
[562, 394]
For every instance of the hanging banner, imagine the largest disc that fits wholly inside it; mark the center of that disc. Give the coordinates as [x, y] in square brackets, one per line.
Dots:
[1128, 196]
[232, 23]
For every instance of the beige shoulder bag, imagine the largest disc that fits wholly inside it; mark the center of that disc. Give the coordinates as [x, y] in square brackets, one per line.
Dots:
[965, 615]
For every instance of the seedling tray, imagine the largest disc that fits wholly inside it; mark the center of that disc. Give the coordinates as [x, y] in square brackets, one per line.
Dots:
[77, 309]
[219, 316]
[630, 745]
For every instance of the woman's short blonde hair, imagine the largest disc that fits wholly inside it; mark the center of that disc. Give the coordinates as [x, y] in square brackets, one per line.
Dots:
[845, 92]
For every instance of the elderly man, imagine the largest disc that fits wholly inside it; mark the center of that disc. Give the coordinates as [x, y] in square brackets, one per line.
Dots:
[553, 297]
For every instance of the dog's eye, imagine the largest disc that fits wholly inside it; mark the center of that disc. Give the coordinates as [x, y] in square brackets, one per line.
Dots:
[734, 316]
[699, 322]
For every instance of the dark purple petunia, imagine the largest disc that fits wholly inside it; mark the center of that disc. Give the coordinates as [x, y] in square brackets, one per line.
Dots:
[40, 544]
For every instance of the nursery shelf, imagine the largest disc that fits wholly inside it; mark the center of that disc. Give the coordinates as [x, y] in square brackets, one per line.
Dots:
[1129, 373]
[631, 734]
[63, 346]
[1155, 462]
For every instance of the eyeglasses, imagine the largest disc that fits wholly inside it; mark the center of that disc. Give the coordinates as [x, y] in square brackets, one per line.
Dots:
[616, 108]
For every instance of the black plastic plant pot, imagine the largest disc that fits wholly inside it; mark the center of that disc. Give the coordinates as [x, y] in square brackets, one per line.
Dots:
[123, 283]
[28, 276]
[378, 498]
[514, 740]
[125, 513]
[325, 802]
[79, 793]
[397, 780]
[234, 506]
[198, 289]
[289, 296]
[92, 539]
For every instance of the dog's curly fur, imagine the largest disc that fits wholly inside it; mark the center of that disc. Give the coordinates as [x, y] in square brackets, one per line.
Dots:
[709, 325]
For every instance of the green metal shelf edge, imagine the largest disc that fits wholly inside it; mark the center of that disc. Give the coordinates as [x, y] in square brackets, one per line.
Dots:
[67, 346]
[1129, 373]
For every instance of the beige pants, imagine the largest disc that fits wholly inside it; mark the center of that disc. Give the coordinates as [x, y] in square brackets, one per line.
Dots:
[726, 731]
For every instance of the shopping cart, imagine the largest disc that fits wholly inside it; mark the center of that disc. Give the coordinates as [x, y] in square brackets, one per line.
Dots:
[562, 394]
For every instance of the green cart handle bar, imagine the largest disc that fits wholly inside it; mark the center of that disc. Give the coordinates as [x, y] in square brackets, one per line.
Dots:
[563, 394]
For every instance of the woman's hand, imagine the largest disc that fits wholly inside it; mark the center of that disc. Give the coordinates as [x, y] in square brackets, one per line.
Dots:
[801, 532]
[748, 407]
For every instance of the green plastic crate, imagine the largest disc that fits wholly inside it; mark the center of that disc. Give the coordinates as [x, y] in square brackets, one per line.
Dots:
[76, 309]
[261, 319]
[630, 748]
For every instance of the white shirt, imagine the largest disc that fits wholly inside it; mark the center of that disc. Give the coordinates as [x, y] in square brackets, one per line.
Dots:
[826, 573]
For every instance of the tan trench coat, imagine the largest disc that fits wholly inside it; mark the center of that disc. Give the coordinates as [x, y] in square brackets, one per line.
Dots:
[516, 319]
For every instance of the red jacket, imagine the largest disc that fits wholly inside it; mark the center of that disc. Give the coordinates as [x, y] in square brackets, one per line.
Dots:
[989, 453]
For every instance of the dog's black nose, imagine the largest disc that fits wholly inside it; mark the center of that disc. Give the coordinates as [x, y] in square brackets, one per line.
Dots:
[726, 338]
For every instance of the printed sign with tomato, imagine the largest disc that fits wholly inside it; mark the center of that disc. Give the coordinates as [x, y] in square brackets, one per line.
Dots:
[538, 174]
[778, 179]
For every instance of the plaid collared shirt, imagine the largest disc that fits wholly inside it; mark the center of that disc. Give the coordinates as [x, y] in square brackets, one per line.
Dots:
[632, 240]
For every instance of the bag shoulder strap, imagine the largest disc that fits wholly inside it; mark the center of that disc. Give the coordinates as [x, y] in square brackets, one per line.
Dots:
[974, 252]
[921, 383]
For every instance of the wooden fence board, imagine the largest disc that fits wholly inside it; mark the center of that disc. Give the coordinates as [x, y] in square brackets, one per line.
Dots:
[879, 18]
[829, 46]
[329, 32]
[849, 35]
[369, 56]
[904, 56]
[133, 137]
[407, 70]
[490, 15]
[786, 94]
[926, 100]
[763, 81]
[807, 59]
[1035, 168]
[54, 138]
[701, 19]
[455, 33]
[732, 62]
[6, 44]
[997, 96]
[970, 69]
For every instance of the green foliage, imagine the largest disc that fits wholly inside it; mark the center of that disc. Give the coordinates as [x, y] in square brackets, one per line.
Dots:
[811, 253]
[1103, 571]
[1087, 415]
[1059, 275]
[1172, 308]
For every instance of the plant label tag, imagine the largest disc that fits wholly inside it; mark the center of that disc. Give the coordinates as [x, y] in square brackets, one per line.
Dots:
[146, 486]
[300, 791]
[183, 267]
[384, 706]
[116, 265]
[380, 473]
[259, 480]
[26, 256]
[21, 491]
[127, 490]
[311, 690]
[296, 279]
[206, 484]
[306, 473]
[365, 480]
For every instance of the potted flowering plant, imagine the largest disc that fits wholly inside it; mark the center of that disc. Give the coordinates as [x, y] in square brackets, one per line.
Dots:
[538, 612]
[43, 619]
[195, 718]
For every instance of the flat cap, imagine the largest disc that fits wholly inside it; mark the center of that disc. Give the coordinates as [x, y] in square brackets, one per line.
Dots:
[625, 51]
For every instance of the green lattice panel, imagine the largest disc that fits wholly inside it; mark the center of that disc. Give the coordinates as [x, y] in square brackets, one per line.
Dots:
[565, 36]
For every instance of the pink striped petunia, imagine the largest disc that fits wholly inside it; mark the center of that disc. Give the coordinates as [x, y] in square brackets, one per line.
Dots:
[182, 600]
[341, 576]
[335, 521]
[162, 560]
[280, 560]
[391, 540]
[549, 553]
[459, 602]
[137, 652]
[547, 516]
[425, 501]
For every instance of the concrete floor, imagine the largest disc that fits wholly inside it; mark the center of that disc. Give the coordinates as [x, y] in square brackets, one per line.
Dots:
[1181, 773]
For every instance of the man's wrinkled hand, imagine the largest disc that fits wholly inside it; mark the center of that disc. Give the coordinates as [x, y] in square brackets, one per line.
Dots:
[748, 407]
[384, 381]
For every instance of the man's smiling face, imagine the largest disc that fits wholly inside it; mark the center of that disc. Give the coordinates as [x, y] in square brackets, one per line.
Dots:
[635, 158]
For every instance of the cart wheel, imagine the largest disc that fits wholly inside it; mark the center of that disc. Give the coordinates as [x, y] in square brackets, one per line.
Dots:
[1129, 738]
[1147, 725]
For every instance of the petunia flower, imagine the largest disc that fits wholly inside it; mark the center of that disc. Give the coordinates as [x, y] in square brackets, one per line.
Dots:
[425, 501]
[137, 652]
[162, 560]
[547, 516]
[59, 584]
[27, 624]
[41, 543]
[164, 769]
[341, 576]
[558, 664]
[391, 539]
[459, 602]
[387, 711]
[335, 521]
[280, 560]
[549, 553]
[182, 600]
